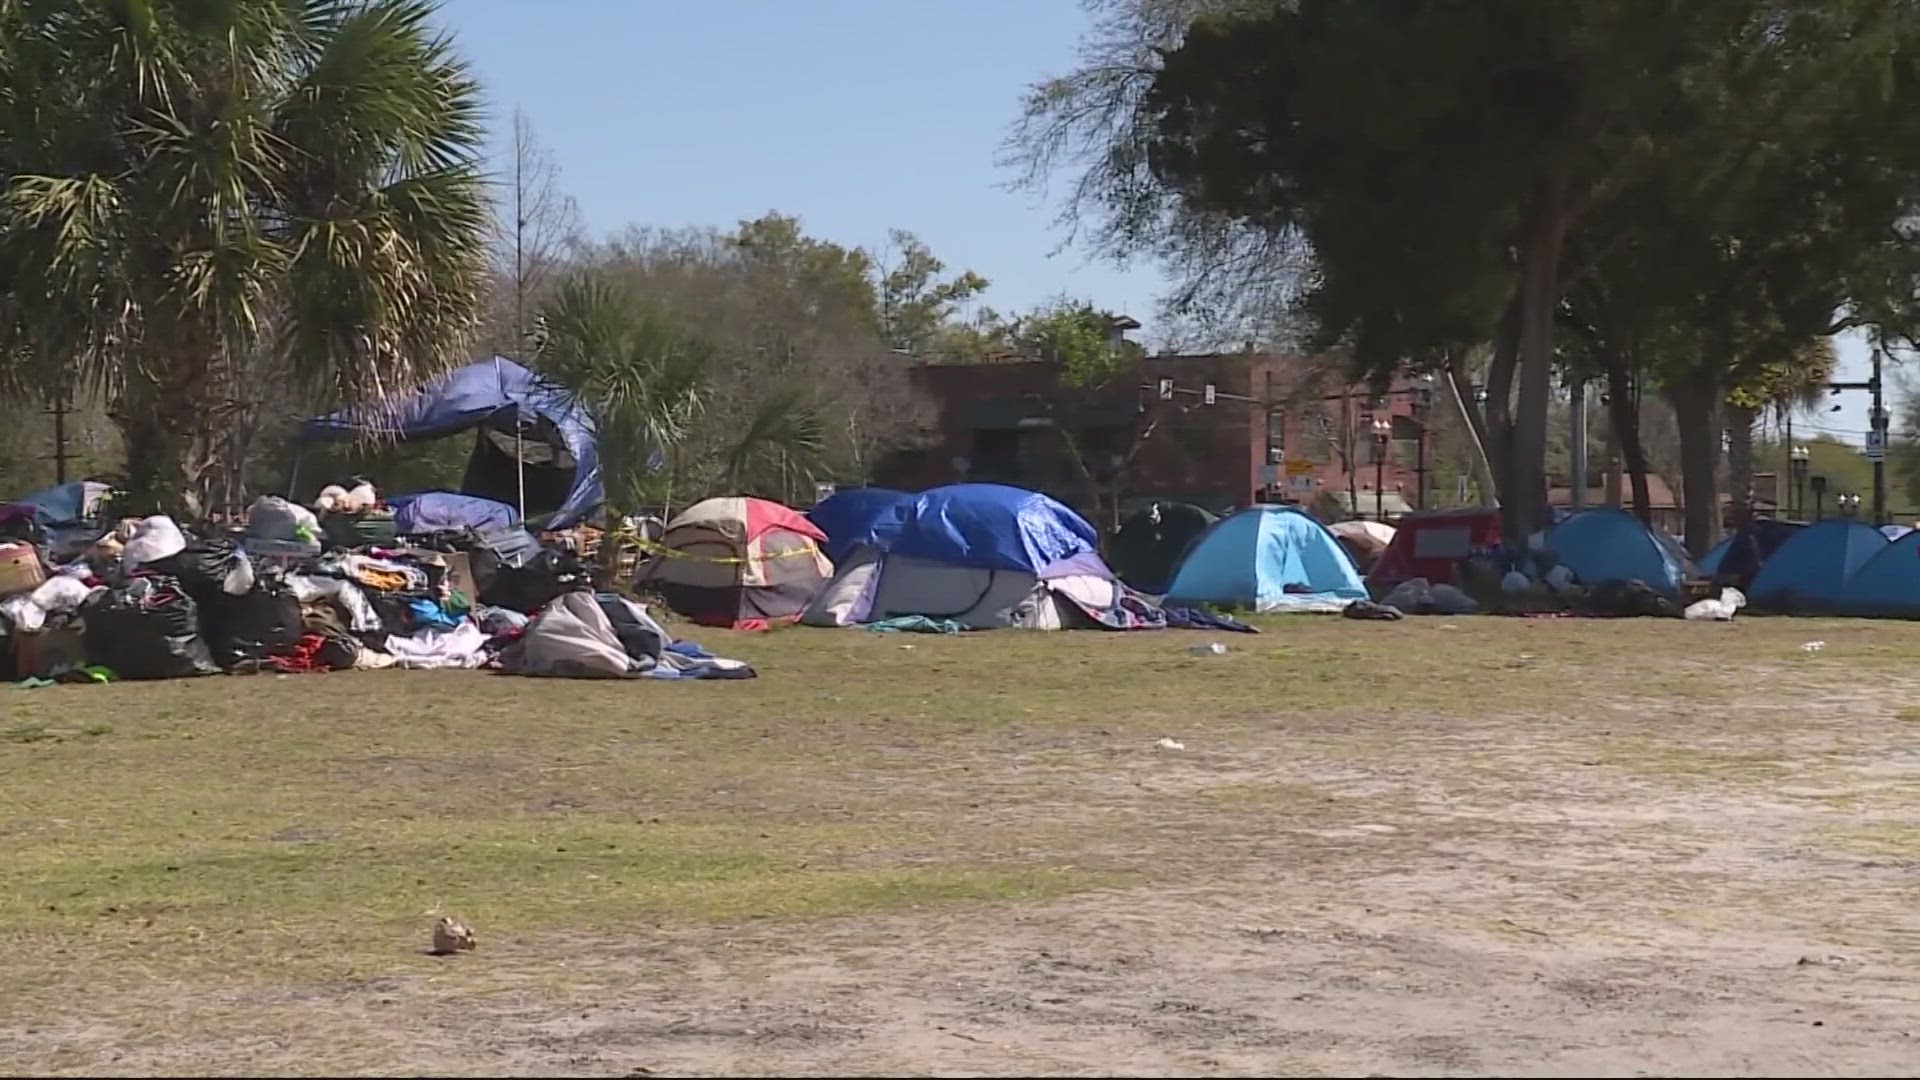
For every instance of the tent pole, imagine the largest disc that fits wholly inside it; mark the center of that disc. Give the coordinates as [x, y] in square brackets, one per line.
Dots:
[520, 468]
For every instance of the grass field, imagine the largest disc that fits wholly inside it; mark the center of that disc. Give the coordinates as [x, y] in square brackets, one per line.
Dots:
[1437, 846]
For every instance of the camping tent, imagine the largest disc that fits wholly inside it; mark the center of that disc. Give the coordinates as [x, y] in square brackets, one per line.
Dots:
[1608, 544]
[60, 507]
[1887, 585]
[1150, 542]
[1366, 541]
[494, 396]
[1809, 573]
[740, 563]
[1268, 558]
[981, 555]
[855, 516]
[1737, 558]
[1435, 545]
[444, 511]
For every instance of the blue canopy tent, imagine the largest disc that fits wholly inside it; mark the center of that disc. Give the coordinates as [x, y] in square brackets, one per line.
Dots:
[1607, 544]
[1809, 573]
[499, 396]
[855, 516]
[1268, 558]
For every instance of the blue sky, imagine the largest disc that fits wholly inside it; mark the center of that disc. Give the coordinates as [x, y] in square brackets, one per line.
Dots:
[855, 115]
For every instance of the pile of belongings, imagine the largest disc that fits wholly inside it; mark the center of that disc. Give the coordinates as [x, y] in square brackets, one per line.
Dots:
[293, 591]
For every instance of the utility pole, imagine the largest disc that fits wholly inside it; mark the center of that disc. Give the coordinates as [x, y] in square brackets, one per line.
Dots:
[1877, 442]
[59, 411]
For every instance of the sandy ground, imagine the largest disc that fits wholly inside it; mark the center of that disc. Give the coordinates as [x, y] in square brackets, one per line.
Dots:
[1681, 888]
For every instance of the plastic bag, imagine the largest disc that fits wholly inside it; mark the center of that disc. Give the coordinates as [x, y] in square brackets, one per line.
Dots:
[1560, 579]
[1515, 582]
[240, 578]
[149, 629]
[263, 623]
[274, 518]
[154, 539]
[200, 566]
[23, 614]
[62, 592]
[1717, 609]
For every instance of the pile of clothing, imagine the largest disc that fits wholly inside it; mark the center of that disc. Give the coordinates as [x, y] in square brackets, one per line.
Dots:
[284, 593]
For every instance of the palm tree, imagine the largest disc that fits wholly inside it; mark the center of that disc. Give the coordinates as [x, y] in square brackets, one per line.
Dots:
[640, 373]
[779, 451]
[1780, 387]
[192, 184]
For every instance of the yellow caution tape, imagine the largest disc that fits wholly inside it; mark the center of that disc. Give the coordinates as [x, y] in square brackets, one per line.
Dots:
[654, 547]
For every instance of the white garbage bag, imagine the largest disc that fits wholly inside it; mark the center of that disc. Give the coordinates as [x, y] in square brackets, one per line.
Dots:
[1717, 609]
[61, 592]
[274, 518]
[1560, 579]
[24, 615]
[1515, 582]
[154, 539]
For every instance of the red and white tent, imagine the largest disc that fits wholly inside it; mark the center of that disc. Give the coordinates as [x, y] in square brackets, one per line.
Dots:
[740, 563]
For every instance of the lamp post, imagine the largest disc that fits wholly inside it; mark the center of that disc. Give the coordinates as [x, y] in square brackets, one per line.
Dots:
[1819, 484]
[1797, 465]
[1849, 505]
[1422, 411]
[1382, 435]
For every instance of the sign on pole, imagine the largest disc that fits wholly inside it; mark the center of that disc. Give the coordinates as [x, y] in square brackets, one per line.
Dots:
[1876, 448]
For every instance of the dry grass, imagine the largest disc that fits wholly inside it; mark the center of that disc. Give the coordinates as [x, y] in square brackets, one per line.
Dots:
[277, 834]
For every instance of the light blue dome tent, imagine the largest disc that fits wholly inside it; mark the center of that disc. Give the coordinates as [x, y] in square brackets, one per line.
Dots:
[1606, 545]
[1267, 558]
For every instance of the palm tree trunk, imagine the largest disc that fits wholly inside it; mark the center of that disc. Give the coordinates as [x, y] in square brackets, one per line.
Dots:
[1524, 505]
[170, 423]
[1740, 423]
[1696, 407]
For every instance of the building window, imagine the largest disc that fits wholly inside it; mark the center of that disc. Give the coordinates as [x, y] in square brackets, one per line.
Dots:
[1317, 443]
[1276, 436]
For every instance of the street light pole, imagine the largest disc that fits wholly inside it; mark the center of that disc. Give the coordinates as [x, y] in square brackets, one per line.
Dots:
[1382, 435]
[1819, 496]
[1797, 466]
[1879, 435]
[1422, 412]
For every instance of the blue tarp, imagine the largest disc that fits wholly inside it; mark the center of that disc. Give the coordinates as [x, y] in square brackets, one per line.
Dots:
[498, 393]
[1810, 572]
[64, 505]
[855, 516]
[991, 527]
[1269, 558]
[1888, 585]
[445, 511]
[1606, 544]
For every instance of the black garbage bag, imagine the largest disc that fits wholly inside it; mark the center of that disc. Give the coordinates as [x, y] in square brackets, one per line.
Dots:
[201, 567]
[148, 629]
[262, 623]
[531, 587]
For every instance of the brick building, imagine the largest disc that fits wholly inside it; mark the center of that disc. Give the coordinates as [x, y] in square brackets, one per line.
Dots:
[1274, 433]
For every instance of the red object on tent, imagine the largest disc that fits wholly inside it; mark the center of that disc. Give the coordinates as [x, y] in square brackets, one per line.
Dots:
[739, 563]
[1435, 546]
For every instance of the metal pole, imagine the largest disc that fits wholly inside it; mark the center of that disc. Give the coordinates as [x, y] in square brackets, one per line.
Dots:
[60, 436]
[1379, 477]
[1793, 489]
[1420, 466]
[1880, 435]
[1577, 404]
[1346, 449]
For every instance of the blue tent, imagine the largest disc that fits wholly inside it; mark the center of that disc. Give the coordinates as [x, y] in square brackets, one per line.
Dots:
[991, 527]
[1809, 573]
[1888, 585]
[855, 516]
[1269, 558]
[1607, 544]
[64, 505]
[497, 395]
[445, 511]
[1744, 551]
